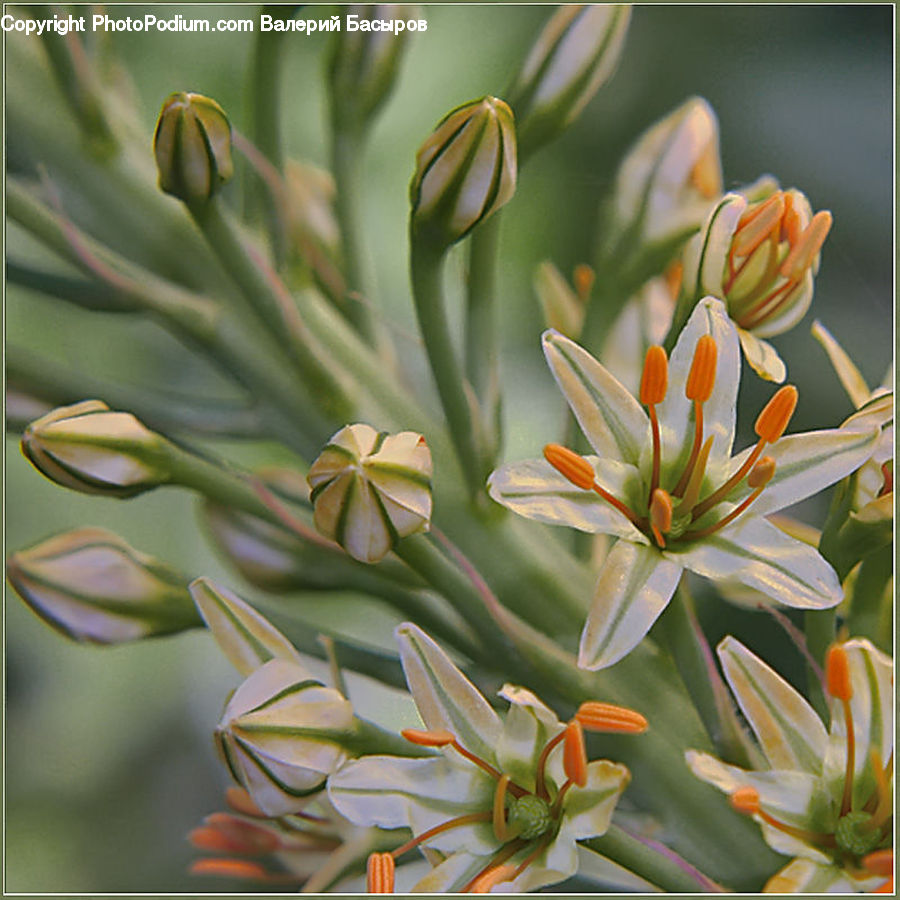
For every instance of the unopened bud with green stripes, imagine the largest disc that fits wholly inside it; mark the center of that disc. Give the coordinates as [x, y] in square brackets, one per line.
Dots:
[94, 587]
[95, 450]
[192, 145]
[465, 171]
[370, 489]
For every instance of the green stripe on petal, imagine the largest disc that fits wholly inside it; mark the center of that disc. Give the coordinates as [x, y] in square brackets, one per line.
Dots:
[756, 553]
[246, 638]
[634, 587]
[611, 419]
[445, 698]
[806, 464]
[789, 730]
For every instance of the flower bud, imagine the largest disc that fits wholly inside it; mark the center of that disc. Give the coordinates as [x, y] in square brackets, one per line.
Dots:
[280, 734]
[310, 199]
[670, 177]
[363, 64]
[563, 306]
[192, 145]
[370, 488]
[90, 448]
[574, 56]
[465, 171]
[93, 587]
[760, 258]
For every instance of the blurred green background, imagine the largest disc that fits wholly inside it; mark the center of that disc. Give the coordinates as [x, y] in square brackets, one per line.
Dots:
[109, 761]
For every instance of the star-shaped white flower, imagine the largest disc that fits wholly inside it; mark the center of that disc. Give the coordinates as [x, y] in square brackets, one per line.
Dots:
[665, 484]
[826, 796]
[503, 801]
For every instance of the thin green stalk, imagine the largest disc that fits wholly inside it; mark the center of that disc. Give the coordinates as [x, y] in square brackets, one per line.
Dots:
[426, 268]
[481, 329]
[651, 861]
[273, 303]
[870, 609]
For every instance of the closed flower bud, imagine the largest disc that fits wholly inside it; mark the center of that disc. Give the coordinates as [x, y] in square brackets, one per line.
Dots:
[670, 178]
[192, 145]
[760, 258]
[370, 488]
[310, 199]
[92, 586]
[574, 56]
[280, 735]
[92, 449]
[465, 171]
[363, 64]
[563, 308]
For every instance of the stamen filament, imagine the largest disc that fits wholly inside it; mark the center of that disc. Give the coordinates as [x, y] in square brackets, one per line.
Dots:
[541, 847]
[881, 809]
[723, 491]
[847, 799]
[501, 832]
[746, 800]
[660, 515]
[540, 784]
[679, 488]
[692, 491]
[654, 430]
[458, 822]
[759, 477]
[837, 675]
[499, 858]
[557, 803]
[654, 383]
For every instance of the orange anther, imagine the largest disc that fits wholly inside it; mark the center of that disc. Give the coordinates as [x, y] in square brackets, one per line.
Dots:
[245, 837]
[583, 278]
[570, 465]
[837, 673]
[492, 877]
[791, 227]
[745, 800]
[240, 801]
[702, 376]
[380, 873]
[428, 738]
[655, 377]
[879, 862]
[230, 868]
[607, 717]
[776, 414]
[757, 223]
[804, 252]
[661, 511]
[574, 754]
[212, 839]
[761, 474]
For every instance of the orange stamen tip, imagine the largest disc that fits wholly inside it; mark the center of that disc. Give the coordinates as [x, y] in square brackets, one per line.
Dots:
[702, 376]
[655, 377]
[837, 673]
[745, 800]
[490, 879]
[574, 754]
[380, 873]
[661, 511]
[230, 868]
[245, 837]
[240, 801]
[570, 465]
[583, 278]
[757, 224]
[761, 474]
[776, 414]
[879, 862]
[804, 252]
[607, 717]
[428, 738]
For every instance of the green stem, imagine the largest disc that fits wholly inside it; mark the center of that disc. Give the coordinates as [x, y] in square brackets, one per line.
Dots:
[275, 306]
[480, 331]
[819, 625]
[870, 607]
[347, 149]
[652, 862]
[426, 270]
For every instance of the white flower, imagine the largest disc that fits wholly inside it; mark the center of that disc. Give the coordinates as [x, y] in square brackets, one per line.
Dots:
[667, 486]
[500, 803]
[826, 796]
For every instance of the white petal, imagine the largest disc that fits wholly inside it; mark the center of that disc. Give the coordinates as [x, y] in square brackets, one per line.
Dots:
[762, 357]
[587, 811]
[789, 730]
[401, 792]
[246, 638]
[806, 464]
[676, 412]
[635, 584]
[534, 489]
[758, 554]
[611, 419]
[527, 728]
[445, 698]
[850, 377]
[803, 876]
[452, 875]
